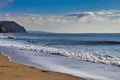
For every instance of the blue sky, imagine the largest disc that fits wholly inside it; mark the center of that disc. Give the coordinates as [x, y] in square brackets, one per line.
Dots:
[59, 6]
[64, 16]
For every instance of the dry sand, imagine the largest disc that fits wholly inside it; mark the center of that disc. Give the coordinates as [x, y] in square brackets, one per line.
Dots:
[14, 71]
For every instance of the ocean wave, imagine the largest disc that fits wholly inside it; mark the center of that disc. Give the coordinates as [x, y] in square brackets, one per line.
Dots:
[72, 42]
[79, 55]
[68, 39]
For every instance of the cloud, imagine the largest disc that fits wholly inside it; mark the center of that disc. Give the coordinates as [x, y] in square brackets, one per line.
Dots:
[80, 15]
[97, 17]
[33, 20]
[55, 22]
[83, 17]
[4, 3]
[97, 13]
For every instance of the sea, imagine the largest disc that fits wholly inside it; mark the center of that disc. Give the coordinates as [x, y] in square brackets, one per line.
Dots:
[93, 56]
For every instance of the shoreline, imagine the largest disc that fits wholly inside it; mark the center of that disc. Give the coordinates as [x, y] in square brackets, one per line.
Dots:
[11, 70]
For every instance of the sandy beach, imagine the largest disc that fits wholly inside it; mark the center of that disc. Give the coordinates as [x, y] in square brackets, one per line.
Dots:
[14, 71]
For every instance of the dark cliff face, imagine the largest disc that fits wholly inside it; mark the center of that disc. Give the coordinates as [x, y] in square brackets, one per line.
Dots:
[11, 27]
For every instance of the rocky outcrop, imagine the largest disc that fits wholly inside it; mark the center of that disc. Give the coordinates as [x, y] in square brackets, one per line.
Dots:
[11, 27]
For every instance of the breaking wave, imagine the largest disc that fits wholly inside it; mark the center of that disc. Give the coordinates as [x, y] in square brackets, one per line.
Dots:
[83, 55]
[79, 55]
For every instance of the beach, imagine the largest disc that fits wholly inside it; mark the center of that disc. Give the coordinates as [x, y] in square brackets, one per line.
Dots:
[14, 71]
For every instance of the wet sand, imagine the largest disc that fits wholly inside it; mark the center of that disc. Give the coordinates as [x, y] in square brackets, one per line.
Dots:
[14, 71]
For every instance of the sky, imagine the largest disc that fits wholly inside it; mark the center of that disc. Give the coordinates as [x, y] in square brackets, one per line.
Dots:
[64, 16]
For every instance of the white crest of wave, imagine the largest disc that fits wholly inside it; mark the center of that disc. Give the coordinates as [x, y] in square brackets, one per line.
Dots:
[80, 55]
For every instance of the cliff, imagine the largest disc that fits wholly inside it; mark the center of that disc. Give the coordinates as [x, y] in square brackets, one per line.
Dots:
[11, 27]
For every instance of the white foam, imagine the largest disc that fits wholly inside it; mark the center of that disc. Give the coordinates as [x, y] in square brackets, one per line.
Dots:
[81, 55]
[60, 64]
